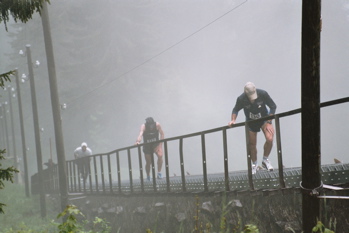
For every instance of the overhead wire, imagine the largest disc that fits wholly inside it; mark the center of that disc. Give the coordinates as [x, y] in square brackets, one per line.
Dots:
[158, 54]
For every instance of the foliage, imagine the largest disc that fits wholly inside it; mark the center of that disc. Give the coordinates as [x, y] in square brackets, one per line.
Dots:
[250, 229]
[71, 223]
[320, 228]
[223, 225]
[6, 77]
[5, 175]
[20, 10]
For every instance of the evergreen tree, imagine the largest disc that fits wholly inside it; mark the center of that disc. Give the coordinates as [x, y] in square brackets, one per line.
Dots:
[7, 173]
[19, 9]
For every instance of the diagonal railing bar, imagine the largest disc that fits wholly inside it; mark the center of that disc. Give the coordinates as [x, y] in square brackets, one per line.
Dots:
[334, 102]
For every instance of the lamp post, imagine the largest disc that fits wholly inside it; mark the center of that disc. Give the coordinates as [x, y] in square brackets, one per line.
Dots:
[36, 131]
[55, 107]
[3, 135]
[24, 148]
[6, 129]
[9, 90]
[3, 109]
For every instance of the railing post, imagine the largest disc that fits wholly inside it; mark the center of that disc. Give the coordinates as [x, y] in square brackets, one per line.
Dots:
[118, 170]
[226, 166]
[167, 168]
[70, 175]
[130, 169]
[79, 178]
[153, 171]
[102, 172]
[184, 189]
[96, 175]
[249, 168]
[140, 167]
[279, 152]
[110, 175]
[204, 165]
[90, 175]
[74, 175]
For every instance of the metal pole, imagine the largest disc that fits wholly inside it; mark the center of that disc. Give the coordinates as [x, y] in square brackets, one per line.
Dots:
[24, 147]
[15, 162]
[36, 131]
[2, 145]
[55, 107]
[311, 148]
[6, 130]
[3, 135]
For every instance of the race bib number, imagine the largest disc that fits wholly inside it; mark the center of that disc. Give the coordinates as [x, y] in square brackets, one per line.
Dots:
[151, 140]
[255, 116]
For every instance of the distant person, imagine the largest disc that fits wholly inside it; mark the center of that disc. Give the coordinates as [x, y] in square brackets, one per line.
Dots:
[81, 155]
[150, 132]
[254, 102]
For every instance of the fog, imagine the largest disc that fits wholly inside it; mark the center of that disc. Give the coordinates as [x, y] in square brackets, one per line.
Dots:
[184, 63]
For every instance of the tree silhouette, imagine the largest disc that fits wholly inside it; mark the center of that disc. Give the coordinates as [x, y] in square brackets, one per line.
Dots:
[19, 10]
[6, 174]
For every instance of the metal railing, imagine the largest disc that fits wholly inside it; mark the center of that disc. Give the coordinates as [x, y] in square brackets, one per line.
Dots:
[104, 179]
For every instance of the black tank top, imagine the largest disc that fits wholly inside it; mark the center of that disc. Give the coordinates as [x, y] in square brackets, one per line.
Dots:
[151, 134]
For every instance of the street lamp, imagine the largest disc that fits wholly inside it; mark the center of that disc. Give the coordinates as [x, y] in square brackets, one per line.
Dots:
[3, 111]
[24, 148]
[10, 90]
[36, 131]
[63, 187]
[3, 135]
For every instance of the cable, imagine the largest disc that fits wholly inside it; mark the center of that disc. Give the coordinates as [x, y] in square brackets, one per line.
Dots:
[160, 53]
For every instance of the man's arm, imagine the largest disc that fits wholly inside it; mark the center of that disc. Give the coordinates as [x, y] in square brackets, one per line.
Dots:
[233, 119]
[162, 135]
[89, 151]
[139, 139]
[270, 103]
[238, 106]
[76, 153]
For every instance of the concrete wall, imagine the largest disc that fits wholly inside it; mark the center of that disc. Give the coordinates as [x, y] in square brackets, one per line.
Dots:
[171, 213]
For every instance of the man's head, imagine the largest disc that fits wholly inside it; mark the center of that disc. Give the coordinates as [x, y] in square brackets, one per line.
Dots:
[250, 91]
[149, 120]
[83, 146]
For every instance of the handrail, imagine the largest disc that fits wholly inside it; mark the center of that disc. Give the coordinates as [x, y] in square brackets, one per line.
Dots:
[100, 182]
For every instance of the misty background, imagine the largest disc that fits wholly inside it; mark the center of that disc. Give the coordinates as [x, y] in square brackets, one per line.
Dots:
[182, 62]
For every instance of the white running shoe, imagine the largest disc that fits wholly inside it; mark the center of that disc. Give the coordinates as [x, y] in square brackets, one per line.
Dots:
[267, 165]
[254, 169]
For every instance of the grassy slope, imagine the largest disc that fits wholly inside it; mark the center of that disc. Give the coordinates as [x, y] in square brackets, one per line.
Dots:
[22, 213]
